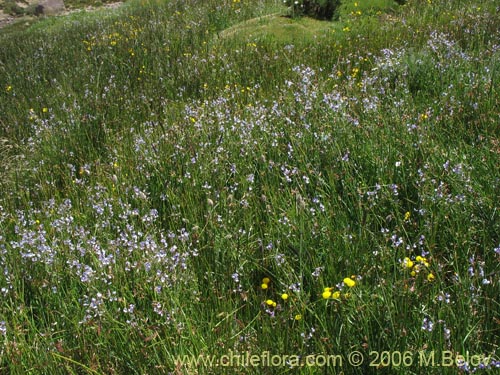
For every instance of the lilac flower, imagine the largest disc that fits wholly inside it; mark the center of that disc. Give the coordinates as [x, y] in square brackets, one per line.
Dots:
[427, 325]
[443, 297]
[317, 272]
[235, 276]
[280, 259]
[295, 287]
[396, 240]
[394, 189]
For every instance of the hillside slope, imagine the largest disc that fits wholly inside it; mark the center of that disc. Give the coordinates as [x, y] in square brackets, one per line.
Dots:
[193, 185]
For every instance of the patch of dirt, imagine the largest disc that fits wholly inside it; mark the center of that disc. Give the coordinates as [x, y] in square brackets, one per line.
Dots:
[7, 19]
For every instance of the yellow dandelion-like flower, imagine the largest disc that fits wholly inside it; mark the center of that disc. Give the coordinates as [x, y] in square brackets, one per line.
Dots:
[327, 294]
[284, 296]
[45, 109]
[416, 269]
[407, 215]
[298, 317]
[9, 88]
[266, 280]
[430, 277]
[270, 302]
[349, 282]
[408, 263]
[336, 295]
[263, 286]
[422, 260]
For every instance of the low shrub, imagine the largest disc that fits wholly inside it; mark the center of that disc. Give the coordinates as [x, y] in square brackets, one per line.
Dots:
[320, 9]
[11, 8]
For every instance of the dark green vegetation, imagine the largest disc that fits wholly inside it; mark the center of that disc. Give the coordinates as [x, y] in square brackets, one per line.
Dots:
[320, 9]
[162, 159]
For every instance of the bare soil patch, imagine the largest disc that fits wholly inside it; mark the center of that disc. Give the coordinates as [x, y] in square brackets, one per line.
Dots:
[6, 19]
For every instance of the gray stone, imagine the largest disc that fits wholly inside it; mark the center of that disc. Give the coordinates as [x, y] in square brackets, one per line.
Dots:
[50, 7]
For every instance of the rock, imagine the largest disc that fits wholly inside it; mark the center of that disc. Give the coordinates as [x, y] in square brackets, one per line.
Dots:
[50, 7]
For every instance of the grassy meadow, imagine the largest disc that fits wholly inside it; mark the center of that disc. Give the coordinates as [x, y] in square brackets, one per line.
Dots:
[186, 180]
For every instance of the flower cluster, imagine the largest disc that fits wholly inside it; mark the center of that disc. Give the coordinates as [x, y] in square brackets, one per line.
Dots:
[418, 265]
[331, 293]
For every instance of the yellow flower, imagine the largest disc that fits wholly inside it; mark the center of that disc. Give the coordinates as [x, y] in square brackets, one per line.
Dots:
[45, 109]
[336, 295]
[407, 215]
[349, 282]
[266, 280]
[408, 262]
[298, 317]
[284, 296]
[264, 286]
[430, 277]
[270, 302]
[9, 88]
[327, 294]
[422, 261]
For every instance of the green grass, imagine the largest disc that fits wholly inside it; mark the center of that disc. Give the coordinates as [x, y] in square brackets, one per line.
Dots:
[278, 28]
[162, 159]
